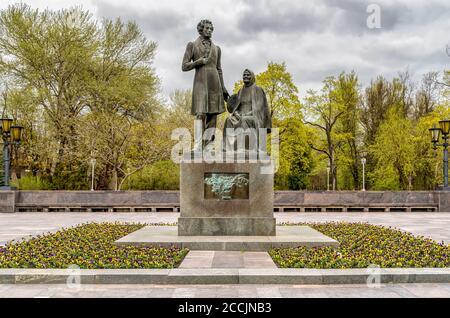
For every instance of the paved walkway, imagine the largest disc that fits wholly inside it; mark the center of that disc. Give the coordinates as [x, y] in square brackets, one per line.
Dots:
[228, 291]
[17, 225]
[227, 259]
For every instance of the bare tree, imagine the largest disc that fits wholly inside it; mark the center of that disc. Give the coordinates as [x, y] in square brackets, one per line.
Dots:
[427, 95]
[446, 81]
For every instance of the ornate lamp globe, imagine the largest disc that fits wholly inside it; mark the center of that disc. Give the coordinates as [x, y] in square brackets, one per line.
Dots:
[435, 132]
[445, 126]
[16, 133]
[6, 124]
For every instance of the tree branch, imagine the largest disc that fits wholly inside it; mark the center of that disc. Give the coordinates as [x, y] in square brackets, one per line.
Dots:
[316, 125]
[320, 150]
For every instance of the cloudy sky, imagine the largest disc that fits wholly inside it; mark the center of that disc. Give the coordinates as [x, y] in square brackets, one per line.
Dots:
[315, 38]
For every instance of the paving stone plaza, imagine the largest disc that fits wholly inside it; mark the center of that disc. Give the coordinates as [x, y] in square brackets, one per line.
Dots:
[19, 225]
[227, 291]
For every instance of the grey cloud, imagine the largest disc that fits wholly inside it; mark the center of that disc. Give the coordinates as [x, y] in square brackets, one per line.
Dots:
[406, 54]
[262, 15]
[337, 16]
[316, 39]
[168, 25]
[351, 15]
[153, 22]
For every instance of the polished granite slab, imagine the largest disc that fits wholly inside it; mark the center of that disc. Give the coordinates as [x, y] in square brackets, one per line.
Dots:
[287, 236]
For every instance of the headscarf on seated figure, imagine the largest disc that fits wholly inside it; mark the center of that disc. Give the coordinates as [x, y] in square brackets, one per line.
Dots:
[249, 111]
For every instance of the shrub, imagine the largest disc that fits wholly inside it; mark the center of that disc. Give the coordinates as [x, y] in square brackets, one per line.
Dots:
[163, 175]
[30, 182]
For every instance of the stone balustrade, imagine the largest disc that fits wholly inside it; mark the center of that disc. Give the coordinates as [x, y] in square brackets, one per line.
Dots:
[169, 201]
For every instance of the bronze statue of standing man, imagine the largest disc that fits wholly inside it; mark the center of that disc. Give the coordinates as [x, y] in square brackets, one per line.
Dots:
[209, 92]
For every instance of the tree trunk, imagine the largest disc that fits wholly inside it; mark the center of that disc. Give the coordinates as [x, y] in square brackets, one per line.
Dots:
[104, 178]
[355, 165]
[114, 180]
[334, 174]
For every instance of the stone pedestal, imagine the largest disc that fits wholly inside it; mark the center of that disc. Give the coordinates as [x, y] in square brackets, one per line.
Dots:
[222, 199]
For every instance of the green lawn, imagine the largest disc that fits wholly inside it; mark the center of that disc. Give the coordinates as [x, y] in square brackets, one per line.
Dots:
[361, 245]
[88, 246]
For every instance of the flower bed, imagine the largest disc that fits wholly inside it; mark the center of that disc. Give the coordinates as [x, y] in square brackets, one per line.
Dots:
[91, 246]
[88, 246]
[363, 244]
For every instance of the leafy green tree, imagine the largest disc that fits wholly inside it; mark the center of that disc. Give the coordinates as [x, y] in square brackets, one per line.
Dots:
[374, 107]
[381, 96]
[122, 95]
[394, 154]
[76, 76]
[428, 163]
[162, 175]
[404, 159]
[180, 108]
[323, 110]
[379, 99]
[149, 143]
[178, 113]
[49, 52]
[295, 157]
[281, 92]
[349, 130]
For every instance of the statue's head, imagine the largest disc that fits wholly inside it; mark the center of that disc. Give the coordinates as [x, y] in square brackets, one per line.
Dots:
[205, 28]
[248, 77]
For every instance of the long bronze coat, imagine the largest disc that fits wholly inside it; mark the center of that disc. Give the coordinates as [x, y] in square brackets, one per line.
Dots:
[260, 108]
[207, 94]
[258, 118]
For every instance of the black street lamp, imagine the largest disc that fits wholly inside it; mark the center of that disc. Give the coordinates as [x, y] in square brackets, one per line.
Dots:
[11, 135]
[444, 129]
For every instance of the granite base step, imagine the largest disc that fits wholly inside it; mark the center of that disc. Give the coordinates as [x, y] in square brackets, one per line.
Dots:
[286, 236]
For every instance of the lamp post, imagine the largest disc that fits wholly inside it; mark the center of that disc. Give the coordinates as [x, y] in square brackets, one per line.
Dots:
[444, 129]
[11, 136]
[93, 173]
[363, 161]
[328, 176]
[363, 156]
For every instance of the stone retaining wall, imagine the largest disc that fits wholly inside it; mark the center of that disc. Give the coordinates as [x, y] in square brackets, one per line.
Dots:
[168, 201]
[204, 276]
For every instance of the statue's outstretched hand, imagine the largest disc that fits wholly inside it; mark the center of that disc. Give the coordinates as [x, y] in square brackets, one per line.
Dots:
[232, 102]
[226, 95]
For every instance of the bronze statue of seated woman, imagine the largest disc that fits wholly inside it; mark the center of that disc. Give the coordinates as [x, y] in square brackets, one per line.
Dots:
[250, 116]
